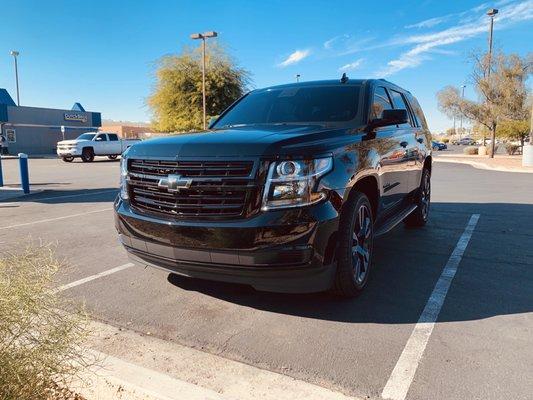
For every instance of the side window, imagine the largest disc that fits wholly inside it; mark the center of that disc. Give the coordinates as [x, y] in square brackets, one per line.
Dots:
[400, 103]
[101, 137]
[113, 137]
[380, 102]
[417, 110]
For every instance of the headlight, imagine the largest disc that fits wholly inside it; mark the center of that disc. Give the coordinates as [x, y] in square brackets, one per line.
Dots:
[293, 183]
[124, 178]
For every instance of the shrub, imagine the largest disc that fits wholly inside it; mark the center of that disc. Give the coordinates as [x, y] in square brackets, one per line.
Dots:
[512, 148]
[470, 150]
[446, 140]
[40, 342]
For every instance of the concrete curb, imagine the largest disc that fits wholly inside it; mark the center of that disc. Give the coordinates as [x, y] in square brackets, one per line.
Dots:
[480, 165]
[133, 366]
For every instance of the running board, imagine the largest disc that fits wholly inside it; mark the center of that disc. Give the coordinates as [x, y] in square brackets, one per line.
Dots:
[395, 220]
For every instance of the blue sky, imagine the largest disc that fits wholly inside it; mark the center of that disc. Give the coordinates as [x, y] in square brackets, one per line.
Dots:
[102, 53]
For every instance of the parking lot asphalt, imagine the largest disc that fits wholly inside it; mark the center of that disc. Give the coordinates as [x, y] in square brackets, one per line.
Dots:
[481, 346]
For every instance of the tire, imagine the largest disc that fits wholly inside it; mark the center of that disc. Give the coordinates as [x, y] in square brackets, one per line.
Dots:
[68, 159]
[112, 157]
[87, 155]
[356, 239]
[419, 217]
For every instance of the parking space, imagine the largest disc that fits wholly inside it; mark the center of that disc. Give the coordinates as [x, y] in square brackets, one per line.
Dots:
[480, 347]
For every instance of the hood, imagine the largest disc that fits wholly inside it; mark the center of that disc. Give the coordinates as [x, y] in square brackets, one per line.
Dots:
[252, 141]
[73, 141]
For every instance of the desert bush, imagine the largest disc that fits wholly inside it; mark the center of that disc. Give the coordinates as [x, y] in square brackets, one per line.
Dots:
[446, 140]
[470, 150]
[40, 341]
[512, 148]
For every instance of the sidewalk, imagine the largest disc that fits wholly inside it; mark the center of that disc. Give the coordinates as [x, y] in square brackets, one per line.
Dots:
[501, 162]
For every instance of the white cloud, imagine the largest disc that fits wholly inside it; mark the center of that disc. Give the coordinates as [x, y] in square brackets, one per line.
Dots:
[328, 44]
[351, 66]
[429, 42]
[428, 23]
[295, 57]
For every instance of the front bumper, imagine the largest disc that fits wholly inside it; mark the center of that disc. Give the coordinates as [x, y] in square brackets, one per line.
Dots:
[73, 152]
[280, 251]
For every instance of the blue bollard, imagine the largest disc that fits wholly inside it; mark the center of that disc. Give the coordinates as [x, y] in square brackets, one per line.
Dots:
[1, 173]
[24, 176]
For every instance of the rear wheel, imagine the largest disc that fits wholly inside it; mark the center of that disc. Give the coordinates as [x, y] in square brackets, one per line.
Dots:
[87, 155]
[419, 217]
[356, 239]
[68, 159]
[112, 157]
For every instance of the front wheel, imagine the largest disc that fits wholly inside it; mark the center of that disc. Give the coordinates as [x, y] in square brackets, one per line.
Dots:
[68, 159]
[419, 217]
[112, 157]
[356, 240]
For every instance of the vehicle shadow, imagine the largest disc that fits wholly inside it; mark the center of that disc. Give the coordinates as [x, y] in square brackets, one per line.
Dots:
[52, 196]
[408, 263]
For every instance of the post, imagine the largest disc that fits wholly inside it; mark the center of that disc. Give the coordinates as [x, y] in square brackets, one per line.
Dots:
[17, 81]
[1, 173]
[491, 13]
[203, 80]
[461, 116]
[24, 176]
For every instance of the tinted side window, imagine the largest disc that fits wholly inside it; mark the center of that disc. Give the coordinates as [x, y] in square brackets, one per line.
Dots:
[417, 110]
[399, 102]
[380, 102]
[113, 137]
[102, 137]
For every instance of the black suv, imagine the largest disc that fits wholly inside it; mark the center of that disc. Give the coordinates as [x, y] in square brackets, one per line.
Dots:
[286, 191]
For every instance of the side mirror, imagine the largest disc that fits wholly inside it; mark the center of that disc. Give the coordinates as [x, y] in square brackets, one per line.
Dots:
[98, 139]
[390, 117]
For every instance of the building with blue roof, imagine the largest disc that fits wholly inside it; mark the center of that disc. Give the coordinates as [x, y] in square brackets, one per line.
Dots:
[35, 130]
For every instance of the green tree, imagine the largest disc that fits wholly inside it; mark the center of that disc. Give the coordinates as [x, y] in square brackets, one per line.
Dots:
[176, 101]
[513, 130]
[502, 94]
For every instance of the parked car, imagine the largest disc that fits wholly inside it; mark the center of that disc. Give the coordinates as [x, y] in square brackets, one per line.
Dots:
[91, 144]
[465, 142]
[438, 145]
[286, 191]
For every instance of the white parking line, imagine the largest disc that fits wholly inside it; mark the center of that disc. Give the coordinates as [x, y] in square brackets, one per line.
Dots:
[54, 219]
[400, 380]
[92, 277]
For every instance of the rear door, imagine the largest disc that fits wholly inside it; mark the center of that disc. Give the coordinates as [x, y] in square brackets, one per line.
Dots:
[389, 143]
[114, 144]
[408, 133]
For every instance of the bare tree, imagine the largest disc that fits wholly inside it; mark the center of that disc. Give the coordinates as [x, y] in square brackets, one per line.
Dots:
[502, 95]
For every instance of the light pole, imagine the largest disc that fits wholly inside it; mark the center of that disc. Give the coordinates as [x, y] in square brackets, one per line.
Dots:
[491, 13]
[15, 54]
[297, 78]
[461, 120]
[203, 36]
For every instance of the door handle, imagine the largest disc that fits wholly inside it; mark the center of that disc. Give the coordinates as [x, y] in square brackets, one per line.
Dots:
[404, 144]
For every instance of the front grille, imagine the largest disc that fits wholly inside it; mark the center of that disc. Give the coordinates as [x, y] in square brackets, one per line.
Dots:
[220, 189]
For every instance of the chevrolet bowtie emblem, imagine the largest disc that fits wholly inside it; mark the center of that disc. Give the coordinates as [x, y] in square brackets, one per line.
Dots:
[173, 183]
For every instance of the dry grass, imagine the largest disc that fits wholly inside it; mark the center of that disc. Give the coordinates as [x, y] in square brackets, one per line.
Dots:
[470, 150]
[40, 341]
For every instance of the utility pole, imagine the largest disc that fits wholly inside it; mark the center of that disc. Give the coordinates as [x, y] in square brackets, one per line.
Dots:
[203, 37]
[297, 78]
[491, 13]
[15, 54]
[461, 120]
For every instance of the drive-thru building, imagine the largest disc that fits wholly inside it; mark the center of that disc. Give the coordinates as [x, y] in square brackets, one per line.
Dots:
[34, 130]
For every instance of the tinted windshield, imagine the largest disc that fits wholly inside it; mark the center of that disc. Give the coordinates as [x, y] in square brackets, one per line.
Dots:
[86, 136]
[316, 104]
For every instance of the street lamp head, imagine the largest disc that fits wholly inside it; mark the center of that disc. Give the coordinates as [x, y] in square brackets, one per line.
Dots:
[210, 34]
[196, 36]
[492, 12]
[14, 53]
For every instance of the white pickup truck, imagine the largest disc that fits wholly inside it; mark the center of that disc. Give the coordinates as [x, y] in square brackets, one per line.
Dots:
[91, 144]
